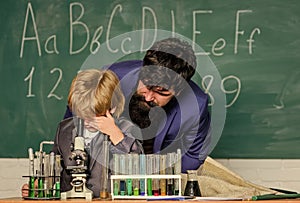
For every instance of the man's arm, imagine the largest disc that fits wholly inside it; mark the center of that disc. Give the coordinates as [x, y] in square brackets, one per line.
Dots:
[196, 129]
[198, 147]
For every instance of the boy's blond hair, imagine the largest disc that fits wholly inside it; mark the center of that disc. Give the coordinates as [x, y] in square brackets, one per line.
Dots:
[95, 91]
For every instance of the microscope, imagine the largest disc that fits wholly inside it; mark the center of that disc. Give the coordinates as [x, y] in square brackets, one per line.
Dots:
[78, 171]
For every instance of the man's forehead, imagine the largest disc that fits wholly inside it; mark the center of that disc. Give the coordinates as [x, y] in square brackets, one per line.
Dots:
[159, 88]
[156, 86]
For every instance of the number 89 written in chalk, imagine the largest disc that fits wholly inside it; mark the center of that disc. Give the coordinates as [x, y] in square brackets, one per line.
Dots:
[230, 80]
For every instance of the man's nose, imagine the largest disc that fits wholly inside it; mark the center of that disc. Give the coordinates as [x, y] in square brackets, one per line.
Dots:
[149, 95]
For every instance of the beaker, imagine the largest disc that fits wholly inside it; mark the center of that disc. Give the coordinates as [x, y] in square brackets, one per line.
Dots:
[192, 186]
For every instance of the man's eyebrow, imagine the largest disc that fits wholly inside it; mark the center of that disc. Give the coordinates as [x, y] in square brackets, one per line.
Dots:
[161, 92]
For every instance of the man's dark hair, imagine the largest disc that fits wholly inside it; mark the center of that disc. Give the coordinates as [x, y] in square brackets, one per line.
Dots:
[174, 54]
[169, 63]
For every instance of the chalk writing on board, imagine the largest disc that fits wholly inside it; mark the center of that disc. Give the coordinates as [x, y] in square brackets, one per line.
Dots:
[208, 80]
[234, 91]
[239, 32]
[92, 39]
[76, 20]
[206, 85]
[29, 79]
[52, 94]
[286, 89]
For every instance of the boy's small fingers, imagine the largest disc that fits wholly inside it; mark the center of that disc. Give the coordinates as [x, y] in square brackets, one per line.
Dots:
[108, 114]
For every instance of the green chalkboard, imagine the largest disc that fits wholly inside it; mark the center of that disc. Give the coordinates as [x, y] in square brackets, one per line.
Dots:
[248, 52]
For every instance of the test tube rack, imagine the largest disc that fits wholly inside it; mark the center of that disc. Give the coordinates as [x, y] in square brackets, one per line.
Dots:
[43, 193]
[145, 178]
[44, 175]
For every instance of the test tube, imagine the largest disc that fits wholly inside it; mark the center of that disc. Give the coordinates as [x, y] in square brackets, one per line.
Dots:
[38, 163]
[104, 169]
[31, 173]
[123, 172]
[51, 176]
[135, 171]
[174, 157]
[46, 186]
[129, 172]
[57, 175]
[177, 170]
[142, 172]
[169, 171]
[116, 168]
[155, 170]
[162, 171]
[40, 171]
[149, 158]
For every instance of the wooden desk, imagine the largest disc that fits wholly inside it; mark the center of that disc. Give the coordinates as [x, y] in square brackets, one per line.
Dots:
[20, 200]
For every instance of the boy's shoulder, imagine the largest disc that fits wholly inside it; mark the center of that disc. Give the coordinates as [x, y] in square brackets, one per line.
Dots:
[67, 122]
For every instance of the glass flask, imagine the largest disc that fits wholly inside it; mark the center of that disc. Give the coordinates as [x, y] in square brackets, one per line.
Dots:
[192, 186]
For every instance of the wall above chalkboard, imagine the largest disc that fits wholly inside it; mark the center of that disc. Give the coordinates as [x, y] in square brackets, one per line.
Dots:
[250, 52]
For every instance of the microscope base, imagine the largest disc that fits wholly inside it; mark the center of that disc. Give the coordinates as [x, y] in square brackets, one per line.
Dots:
[79, 189]
[87, 194]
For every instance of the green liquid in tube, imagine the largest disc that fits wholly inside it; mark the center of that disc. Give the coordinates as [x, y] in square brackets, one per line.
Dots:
[149, 187]
[40, 187]
[116, 188]
[136, 191]
[31, 187]
[129, 186]
[57, 189]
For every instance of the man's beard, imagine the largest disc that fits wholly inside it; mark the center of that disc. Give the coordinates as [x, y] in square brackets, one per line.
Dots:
[139, 110]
